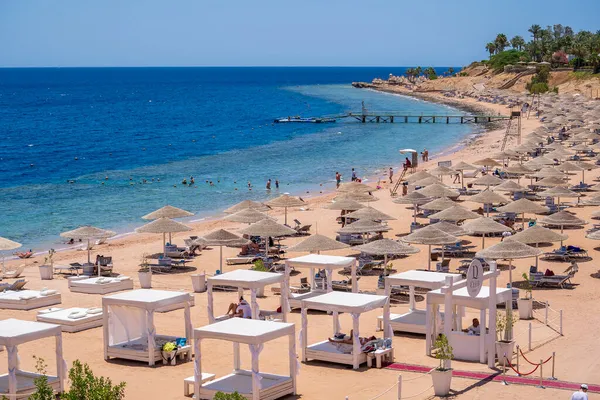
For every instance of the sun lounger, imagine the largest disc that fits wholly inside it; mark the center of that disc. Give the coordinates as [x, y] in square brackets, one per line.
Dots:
[74, 319]
[558, 254]
[345, 285]
[74, 267]
[575, 251]
[28, 299]
[105, 264]
[240, 260]
[16, 273]
[176, 252]
[16, 285]
[303, 288]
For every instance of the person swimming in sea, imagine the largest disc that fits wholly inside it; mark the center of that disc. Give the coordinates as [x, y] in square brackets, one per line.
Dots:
[192, 180]
[184, 181]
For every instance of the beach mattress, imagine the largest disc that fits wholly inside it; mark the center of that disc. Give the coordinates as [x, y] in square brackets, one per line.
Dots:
[91, 285]
[272, 386]
[27, 299]
[61, 317]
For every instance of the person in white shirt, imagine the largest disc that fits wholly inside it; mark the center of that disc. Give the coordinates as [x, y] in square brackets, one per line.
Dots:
[474, 329]
[581, 394]
[241, 310]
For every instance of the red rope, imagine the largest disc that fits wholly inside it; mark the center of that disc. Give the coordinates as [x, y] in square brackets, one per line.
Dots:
[520, 373]
[543, 362]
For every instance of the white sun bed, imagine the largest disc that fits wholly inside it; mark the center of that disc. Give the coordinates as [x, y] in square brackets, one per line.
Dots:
[94, 285]
[28, 299]
[295, 299]
[412, 322]
[25, 383]
[137, 349]
[326, 351]
[178, 306]
[72, 319]
[272, 386]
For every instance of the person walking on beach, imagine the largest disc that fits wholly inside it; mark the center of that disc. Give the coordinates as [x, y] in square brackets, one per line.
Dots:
[391, 175]
[338, 179]
[269, 184]
[425, 155]
[353, 175]
[581, 394]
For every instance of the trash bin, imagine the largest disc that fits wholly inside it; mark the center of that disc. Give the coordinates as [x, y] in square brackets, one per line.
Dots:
[199, 282]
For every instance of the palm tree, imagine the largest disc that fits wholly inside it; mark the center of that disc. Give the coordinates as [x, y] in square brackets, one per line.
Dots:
[501, 42]
[535, 31]
[517, 42]
[450, 71]
[491, 48]
[418, 71]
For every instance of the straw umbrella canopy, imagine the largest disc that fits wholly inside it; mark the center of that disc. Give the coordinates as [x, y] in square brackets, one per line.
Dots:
[450, 228]
[462, 167]
[221, 238]
[438, 190]
[267, 228]
[387, 247]
[581, 148]
[568, 167]
[316, 244]
[164, 226]
[509, 186]
[430, 236]
[439, 204]
[354, 187]
[285, 201]
[487, 162]
[417, 176]
[538, 234]
[518, 169]
[489, 197]
[364, 226]
[562, 219]
[487, 180]
[509, 250]
[5, 245]
[484, 225]
[548, 172]
[523, 206]
[167, 212]
[428, 181]
[559, 192]
[344, 204]
[594, 235]
[88, 233]
[247, 205]
[454, 213]
[247, 216]
[441, 170]
[414, 198]
[356, 196]
[560, 153]
[551, 181]
[370, 213]
[542, 160]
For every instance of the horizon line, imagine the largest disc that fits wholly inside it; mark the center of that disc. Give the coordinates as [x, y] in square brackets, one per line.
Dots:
[222, 66]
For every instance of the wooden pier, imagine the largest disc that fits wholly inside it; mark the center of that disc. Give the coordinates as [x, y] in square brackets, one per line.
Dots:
[406, 118]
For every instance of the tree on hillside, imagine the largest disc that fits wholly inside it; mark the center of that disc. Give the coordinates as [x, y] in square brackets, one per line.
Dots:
[517, 43]
[501, 42]
[450, 71]
[418, 71]
[568, 31]
[558, 31]
[491, 48]
[535, 31]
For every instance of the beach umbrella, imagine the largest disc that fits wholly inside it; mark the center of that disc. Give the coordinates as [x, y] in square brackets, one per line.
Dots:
[167, 212]
[562, 219]
[454, 213]
[542, 160]
[441, 170]
[508, 250]
[548, 172]
[439, 204]
[523, 206]
[387, 247]
[536, 235]
[417, 176]
[551, 181]
[370, 213]
[568, 167]
[355, 187]
[489, 197]
[316, 244]
[414, 198]
[462, 167]
[438, 190]
[247, 216]
[164, 226]
[5, 245]
[450, 228]
[221, 238]
[484, 225]
[585, 166]
[581, 148]
[509, 186]
[267, 228]
[428, 181]
[487, 162]
[558, 192]
[487, 180]
[285, 201]
[247, 205]
[361, 197]
[88, 233]
[518, 169]
[343, 204]
[364, 226]
[429, 236]
[594, 235]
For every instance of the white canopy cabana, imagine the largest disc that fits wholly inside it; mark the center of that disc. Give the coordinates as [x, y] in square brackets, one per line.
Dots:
[319, 262]
[246, 279]
[414, 320]
[252, 384]
[14, 332]
[129, 330]
[335, 302]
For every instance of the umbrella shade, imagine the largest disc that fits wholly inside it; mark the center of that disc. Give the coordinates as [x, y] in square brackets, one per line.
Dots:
[538, 234]
[518, 169]
[488, 180]
[343, 203]
[428, 181]
[437, 190]
[509, 186]
[568, 167]
[355, 187]
[441, 170]
[548, 172]
[449, 228]
[356, 196]
[285, 200]
[502, 155]
[542, 160]
[487, 162]
[560, 153]
[551, 181]
[221, 237]
[7, 244]
[386, 247]
[364, 226]
[559, 192]
[562, 218]
[161, 225]
[581, 147]
[454, 213]
[509, 250]
[489, 197]
[247, 216]
[430, 235]
[412, 198]
[439, 204]
[586, 165]
[87, 233]
[317, 243]
[523, 206]
[370, 213]
[484, 225]
[463, 166]
[167, 212]
[417, 176]
[266, 228]
[245, 205]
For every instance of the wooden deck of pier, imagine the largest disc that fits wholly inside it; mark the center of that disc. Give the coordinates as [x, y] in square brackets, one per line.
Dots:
[402, 117]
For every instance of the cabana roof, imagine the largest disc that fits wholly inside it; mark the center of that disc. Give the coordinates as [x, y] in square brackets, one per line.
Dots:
[424, 279]
[246, 279]
[14, 332]
[345, 302]
[148, 299]
[243, 330]
[321, 261]
[461, 297]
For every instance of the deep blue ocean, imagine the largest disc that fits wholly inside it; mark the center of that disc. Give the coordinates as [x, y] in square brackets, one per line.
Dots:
[109, 129]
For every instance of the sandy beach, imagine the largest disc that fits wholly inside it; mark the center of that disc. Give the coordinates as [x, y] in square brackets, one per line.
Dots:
[576, 354]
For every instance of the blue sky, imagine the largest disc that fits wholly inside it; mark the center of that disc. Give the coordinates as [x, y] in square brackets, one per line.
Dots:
[269, 32]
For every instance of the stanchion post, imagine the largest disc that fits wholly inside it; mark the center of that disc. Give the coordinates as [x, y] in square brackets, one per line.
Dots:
[560, 327]
[399, 386]
[530, 336]
[541, 385]
[553, 378]
[546, 314]
[518, 374]
[504, 370]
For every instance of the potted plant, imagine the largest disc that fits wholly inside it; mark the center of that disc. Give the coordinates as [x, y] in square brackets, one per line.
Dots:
[169, 353]
[525, 304]
[47, 269]
[259, 265]
[442, 375]
[504, 340]
[145, 273]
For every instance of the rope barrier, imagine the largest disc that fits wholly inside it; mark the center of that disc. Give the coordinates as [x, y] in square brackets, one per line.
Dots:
[418, 394]
[544, 362]
[387, 391]
[518, 372]
[416, 377]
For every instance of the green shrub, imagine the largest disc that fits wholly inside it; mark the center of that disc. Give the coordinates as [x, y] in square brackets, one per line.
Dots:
[43, 390]
[509, 57]
[228, 396]
[84, 385]
[443, 351]
[259, 265]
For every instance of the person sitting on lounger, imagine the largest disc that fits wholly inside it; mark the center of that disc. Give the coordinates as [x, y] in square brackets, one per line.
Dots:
[474, 329]
[349, 340]
[241, 310]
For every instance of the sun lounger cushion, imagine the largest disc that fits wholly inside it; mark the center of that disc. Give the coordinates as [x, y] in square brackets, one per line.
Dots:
[77, 315]
[27, 296]
[96, 310]
[48, 292]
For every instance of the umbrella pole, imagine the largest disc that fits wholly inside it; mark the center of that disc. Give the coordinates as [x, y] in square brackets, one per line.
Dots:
[384, 263]
[510, 272]
[164, 245]
[89, 251]
[415, 213]
[429, 260]
[462, 178]
[536, 257]
[221, 259]
[483, 241]
[285, 212]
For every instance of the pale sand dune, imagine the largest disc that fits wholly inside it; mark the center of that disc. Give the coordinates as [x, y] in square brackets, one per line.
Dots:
[577, 355]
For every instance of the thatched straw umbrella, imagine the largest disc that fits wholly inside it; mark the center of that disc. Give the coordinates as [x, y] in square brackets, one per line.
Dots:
[439, 204]
[387, 247]
[344, 204]
[509, 250]
[429, 236]
[536, 235]
[428, 181]
[316, 244]
[462, 167]
[438, 190]
[88, 233]
[370, 213]
[267, 228]
[221, 238]
[450, 228]
[551, 181]
[454, 213]
[247, 216]
[356, 196]
[285, 201]
[487, 163]
[245, 205]
[523, 206]
[562, 219]
[167, 212]
[164, 226]
[487, 180]
[510, 187]
[417, 176]
[482, 226]
[440, 171]
[547, 172]
[559, 192]
[489, 197]
[355, 187]
[5, 245]
[414, 198]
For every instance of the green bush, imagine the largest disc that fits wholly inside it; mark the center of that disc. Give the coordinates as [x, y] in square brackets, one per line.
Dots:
[539, 82]
[43, 390]
[228, 396]
[509, 57]
[84, 385]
